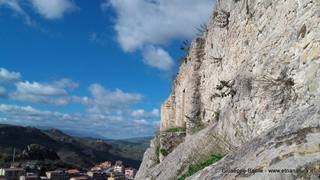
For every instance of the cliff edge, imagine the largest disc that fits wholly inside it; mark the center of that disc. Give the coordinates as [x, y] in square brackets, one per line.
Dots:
[248, 90]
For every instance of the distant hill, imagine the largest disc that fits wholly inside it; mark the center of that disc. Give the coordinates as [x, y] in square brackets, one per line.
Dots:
[130, 148]
[73, 151]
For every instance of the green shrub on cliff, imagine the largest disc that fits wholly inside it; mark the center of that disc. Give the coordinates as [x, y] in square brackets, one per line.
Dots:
[196, 168]
[164, 152]
[175, 129]
[216, 115]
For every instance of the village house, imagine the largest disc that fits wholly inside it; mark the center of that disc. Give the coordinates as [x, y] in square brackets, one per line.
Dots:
[73, 173]
[80, 178]
[116, 176]
[57, 175]
[130, 173]
[30, 176]
[2, 172]
[12, 173]
[119, 167]
[97, 175]
[103, 166]
[102, 171]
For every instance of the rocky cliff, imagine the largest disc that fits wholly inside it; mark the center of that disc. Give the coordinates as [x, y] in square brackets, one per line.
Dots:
[248, 89]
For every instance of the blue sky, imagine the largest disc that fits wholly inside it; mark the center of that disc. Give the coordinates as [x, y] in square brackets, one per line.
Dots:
[96, 68]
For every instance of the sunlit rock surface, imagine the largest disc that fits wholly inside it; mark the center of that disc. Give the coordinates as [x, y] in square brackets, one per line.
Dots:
[249, 88]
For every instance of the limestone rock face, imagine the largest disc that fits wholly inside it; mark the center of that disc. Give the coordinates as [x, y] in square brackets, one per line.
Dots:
[168, 142]
[249, 88]
[290, 146]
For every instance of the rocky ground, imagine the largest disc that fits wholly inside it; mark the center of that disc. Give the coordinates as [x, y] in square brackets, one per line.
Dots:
[248, 89]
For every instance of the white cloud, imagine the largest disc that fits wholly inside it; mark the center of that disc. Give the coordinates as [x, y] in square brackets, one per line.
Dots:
[66, 83]
[53, 9]
[36, 88]
[155, 22]
[15, 7]
[49, 9]
[158, 58]
[147, 123]
[105, 101]
[109, 112]
[141, 113]
[54, 93]
[7, 76]
[101, 125]
[31, 116]
[12, 4]
[46, 93]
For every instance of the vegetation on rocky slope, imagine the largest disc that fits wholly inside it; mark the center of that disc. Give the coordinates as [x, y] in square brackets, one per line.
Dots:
[253, 85]
[196, 168]
[176, 129]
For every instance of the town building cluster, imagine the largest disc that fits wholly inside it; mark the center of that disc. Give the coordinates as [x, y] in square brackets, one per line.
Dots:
[103, 171]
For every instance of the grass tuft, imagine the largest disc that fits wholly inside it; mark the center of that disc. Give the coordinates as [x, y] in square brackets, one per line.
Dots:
[175, 129]
[164, 152]
[196, 168]
[216, 115]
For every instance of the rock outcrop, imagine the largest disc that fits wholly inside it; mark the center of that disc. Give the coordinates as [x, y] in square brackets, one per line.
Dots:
[249, 89]
[38, 152]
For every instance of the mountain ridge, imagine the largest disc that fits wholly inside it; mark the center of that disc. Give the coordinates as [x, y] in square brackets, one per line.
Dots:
[75, 151]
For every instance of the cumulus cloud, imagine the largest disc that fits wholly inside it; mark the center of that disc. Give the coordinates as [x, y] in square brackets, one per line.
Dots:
[47, 93]
[105, 101]
[141, 22]
[54, 93]
[158, 58]
[148, 24]
[102, 125]
[108, 113]
[36, 88]
[28, 113]
[53, 9]
[148, 123]
[8, 76]
[141, 113]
